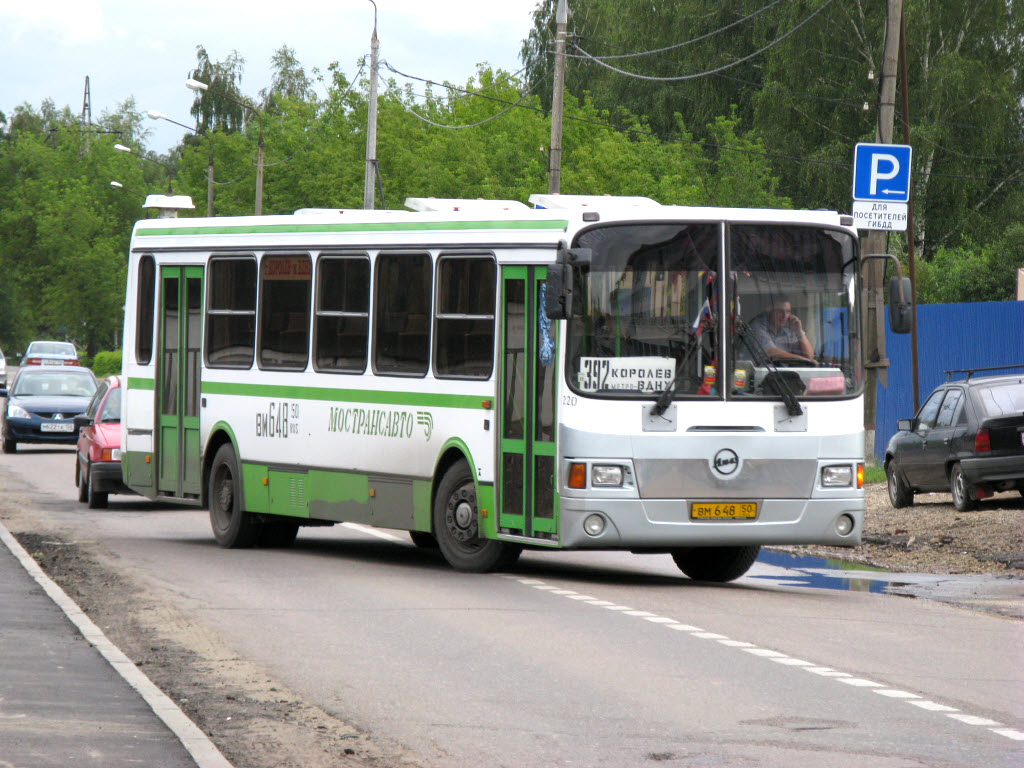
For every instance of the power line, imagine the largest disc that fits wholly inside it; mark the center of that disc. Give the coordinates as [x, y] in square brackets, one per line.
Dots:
[695, 75]
[694, 40]
[511, 105]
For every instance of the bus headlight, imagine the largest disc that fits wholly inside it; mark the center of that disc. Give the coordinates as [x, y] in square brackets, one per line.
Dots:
[594, 525]
[837, 476]
[607, 475]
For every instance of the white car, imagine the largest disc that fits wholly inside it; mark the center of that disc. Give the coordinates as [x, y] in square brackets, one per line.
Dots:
[50, 353]
[3, 370]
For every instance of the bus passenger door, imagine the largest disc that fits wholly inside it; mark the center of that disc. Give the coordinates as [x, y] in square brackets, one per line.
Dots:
[179, 472]
[527, 504]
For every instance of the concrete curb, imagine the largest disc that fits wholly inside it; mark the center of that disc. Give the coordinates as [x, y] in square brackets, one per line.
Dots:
[196, 743]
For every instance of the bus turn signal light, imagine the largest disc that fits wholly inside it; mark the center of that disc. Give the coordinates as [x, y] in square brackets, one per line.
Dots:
[577, 475]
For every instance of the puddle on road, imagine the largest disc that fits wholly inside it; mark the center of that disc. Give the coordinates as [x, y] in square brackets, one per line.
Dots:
[803, 571]
[991, 593]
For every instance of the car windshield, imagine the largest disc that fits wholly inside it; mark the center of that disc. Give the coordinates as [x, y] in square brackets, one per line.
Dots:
[647, 311]
[54, 385]
[1000, 399]
[51, 348]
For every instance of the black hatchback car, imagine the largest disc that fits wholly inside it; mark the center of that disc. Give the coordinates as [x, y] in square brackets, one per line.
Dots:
[968, 438]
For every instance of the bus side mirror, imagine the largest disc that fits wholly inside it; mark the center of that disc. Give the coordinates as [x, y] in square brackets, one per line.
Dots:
[556, 297]
[899, 304]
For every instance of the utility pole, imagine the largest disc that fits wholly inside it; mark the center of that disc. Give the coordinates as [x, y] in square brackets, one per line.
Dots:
[874, 242]
[905, 94]
[371, 120]
[555, 151]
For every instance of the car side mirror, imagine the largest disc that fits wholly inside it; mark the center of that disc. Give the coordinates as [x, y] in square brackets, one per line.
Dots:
[81, 420]
[905, 425]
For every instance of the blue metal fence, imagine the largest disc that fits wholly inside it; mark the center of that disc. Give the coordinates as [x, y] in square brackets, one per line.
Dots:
[949, 336]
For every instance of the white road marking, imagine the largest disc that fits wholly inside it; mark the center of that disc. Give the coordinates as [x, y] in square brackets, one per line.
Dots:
[786, 660]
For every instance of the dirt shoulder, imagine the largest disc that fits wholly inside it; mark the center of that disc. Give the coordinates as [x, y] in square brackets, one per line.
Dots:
[931, 536]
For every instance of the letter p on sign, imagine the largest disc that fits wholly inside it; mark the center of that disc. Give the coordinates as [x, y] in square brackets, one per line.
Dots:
[881, 173]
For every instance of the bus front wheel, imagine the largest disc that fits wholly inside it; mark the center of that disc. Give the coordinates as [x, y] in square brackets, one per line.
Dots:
[232, 527]
[455, 526]
[715, 563]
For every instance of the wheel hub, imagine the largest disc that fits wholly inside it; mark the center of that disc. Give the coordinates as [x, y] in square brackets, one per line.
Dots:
[461, 515]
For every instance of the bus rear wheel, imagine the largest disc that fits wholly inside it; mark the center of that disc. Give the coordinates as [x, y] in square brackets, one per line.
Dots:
[455, 526]
[232, 527]
[715, 563]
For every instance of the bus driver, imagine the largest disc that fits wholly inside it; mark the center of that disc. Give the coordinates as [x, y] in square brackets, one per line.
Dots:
[780, 333]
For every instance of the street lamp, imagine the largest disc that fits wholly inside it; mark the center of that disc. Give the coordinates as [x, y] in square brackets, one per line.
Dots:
[123, 148]
[154, 115]
[197, 86]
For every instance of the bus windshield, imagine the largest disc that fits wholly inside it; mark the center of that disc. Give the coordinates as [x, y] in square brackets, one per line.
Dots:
[647, 311]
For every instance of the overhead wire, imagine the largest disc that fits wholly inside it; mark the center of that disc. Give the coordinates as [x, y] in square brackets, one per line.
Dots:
[511, 105]
[693, 76]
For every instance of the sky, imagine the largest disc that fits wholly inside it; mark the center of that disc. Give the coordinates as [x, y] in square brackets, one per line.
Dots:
[148, 49]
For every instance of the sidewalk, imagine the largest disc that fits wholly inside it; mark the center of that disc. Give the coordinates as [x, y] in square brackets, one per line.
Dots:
[70, 698]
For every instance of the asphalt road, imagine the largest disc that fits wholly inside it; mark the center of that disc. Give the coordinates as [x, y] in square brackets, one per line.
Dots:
[577, 659]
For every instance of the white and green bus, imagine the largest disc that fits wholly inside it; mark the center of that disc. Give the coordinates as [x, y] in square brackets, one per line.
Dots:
[589, 373]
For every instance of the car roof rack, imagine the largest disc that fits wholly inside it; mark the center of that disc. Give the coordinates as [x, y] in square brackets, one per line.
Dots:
[971, 371]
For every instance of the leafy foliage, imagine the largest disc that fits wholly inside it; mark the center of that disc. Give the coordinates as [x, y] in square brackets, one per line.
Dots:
[774, 127]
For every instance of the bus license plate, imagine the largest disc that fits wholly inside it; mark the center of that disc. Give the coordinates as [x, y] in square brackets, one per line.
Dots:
[746, 510]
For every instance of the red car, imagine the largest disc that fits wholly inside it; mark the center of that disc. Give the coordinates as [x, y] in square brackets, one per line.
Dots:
[98, 463]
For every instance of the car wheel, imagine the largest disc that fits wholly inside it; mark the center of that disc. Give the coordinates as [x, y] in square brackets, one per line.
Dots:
[81, 482]
[963, 491]
[715, 563]
[232, 526]
[455, 524]
[9, 446]
[900, 494]
[97, 499]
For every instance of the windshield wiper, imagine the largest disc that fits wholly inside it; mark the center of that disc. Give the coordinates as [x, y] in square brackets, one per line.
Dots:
[763, 358]
[662, 403]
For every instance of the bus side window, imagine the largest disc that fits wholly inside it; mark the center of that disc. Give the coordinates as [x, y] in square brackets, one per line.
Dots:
[146, 288]
[342, 314]
[464, 327]
[402, 302]
[284, 312]
[231, 313]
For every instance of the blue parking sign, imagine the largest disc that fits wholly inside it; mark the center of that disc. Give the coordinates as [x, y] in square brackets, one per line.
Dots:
[881, 173]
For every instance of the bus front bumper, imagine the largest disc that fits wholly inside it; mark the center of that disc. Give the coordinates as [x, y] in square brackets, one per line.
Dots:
[663, 524]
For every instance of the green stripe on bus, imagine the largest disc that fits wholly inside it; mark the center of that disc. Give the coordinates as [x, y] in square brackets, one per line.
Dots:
[134, 382]
[345, 395]
[384, 226]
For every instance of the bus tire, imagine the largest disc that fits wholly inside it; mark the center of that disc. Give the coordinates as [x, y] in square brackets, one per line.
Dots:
[455, 526]
[719, 564]
[232, 527]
